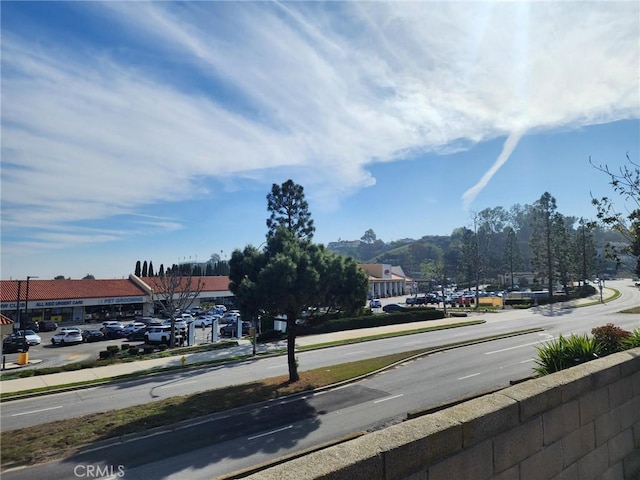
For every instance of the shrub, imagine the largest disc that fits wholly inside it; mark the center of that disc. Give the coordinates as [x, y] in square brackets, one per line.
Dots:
[271, 335]
[124, 346]
[147, 349]
[610, 338]
[133, 350]
[162, 347]
[633, 340]
[565, 352]
[105, 354]
[113, 348]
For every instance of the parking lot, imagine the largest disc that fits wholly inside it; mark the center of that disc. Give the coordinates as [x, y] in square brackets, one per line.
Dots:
[48, 355]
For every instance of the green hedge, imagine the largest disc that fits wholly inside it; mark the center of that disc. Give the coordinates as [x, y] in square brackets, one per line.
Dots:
[409, 316]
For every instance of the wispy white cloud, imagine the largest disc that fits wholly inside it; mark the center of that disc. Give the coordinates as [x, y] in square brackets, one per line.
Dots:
[234, 90]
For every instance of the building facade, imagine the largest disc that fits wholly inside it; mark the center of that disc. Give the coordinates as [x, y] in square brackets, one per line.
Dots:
[86, 301]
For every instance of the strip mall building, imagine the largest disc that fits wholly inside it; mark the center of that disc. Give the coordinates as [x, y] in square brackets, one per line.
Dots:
[83, 301]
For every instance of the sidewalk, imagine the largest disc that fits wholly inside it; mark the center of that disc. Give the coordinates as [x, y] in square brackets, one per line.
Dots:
[243, 348]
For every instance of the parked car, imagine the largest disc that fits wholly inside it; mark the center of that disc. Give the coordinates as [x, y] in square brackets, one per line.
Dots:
[130, 327]
[162, 334]
[69, 337]
[92, 335]
[228, 317]
[113, 332]
[393, 307]
[47, 326]
[375, 303]
[32, 337]
[138, 335]
[13, 343]
[29, 325]
[111, 323]
[180, 325]
[205, 320]
[71, 329]
[231, 329]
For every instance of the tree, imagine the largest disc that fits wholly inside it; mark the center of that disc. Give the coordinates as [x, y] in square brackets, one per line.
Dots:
[626, 183]
[161, 270]
[293, 275]
[289, 208]
[88, 276]
[542, 244]
[59, 277]
[369, 237]
[512, 255]
[151, 269]
[175, 291]
[144, 269]
[584, 250]
[138, 269]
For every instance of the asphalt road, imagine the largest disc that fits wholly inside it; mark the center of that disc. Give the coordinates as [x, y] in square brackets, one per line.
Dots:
[237, 439]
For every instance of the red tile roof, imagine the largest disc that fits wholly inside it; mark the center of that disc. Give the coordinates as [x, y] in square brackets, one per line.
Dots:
[63, 289]
[4, 320]
[209, 284]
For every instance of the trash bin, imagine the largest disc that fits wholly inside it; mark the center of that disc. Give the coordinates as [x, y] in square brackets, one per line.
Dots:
[23, 358]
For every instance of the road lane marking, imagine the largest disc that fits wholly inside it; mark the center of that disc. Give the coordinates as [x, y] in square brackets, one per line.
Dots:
[469, 376]
[270, 432]
[355, 353]
[388, 398]
[528, 360]
[37, 411]
[513, 348]
[282, 365]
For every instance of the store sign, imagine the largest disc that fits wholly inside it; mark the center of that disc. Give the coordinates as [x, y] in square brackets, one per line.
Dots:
[118, 301]
[56, 303]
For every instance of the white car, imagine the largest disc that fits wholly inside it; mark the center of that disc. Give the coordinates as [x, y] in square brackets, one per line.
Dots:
[205, 320]
[32, 337]
[66, 338]
[132, 327]
[112, 324]
[70, 329]
[162, 334]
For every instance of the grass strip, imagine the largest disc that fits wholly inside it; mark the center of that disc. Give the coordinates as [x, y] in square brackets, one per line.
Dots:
[388, 335]
[60, 439]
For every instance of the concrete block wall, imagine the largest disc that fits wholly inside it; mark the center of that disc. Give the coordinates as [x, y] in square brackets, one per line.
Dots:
[582, 423]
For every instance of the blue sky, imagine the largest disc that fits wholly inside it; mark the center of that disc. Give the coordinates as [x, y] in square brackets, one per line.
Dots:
[154, 131]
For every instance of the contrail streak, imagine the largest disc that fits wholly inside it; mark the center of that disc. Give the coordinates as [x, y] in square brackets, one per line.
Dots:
[509, 145]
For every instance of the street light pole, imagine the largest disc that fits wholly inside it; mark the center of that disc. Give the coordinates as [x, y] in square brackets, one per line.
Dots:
[26, 306]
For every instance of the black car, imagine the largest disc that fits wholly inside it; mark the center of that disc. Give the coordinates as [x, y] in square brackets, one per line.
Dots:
[138, 335]
[112, 333]
[92, 335]
[230, 329]
[47, 326]
[29, 325]
[393, 307]
[14, 343]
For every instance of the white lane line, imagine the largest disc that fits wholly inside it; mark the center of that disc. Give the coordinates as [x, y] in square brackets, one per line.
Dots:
[355, 353]
[37, 411]
[513, 348]
[389, 398]
[469, 376]
[282, 365]
[177, 384]
[528, 360]
[271, 432]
